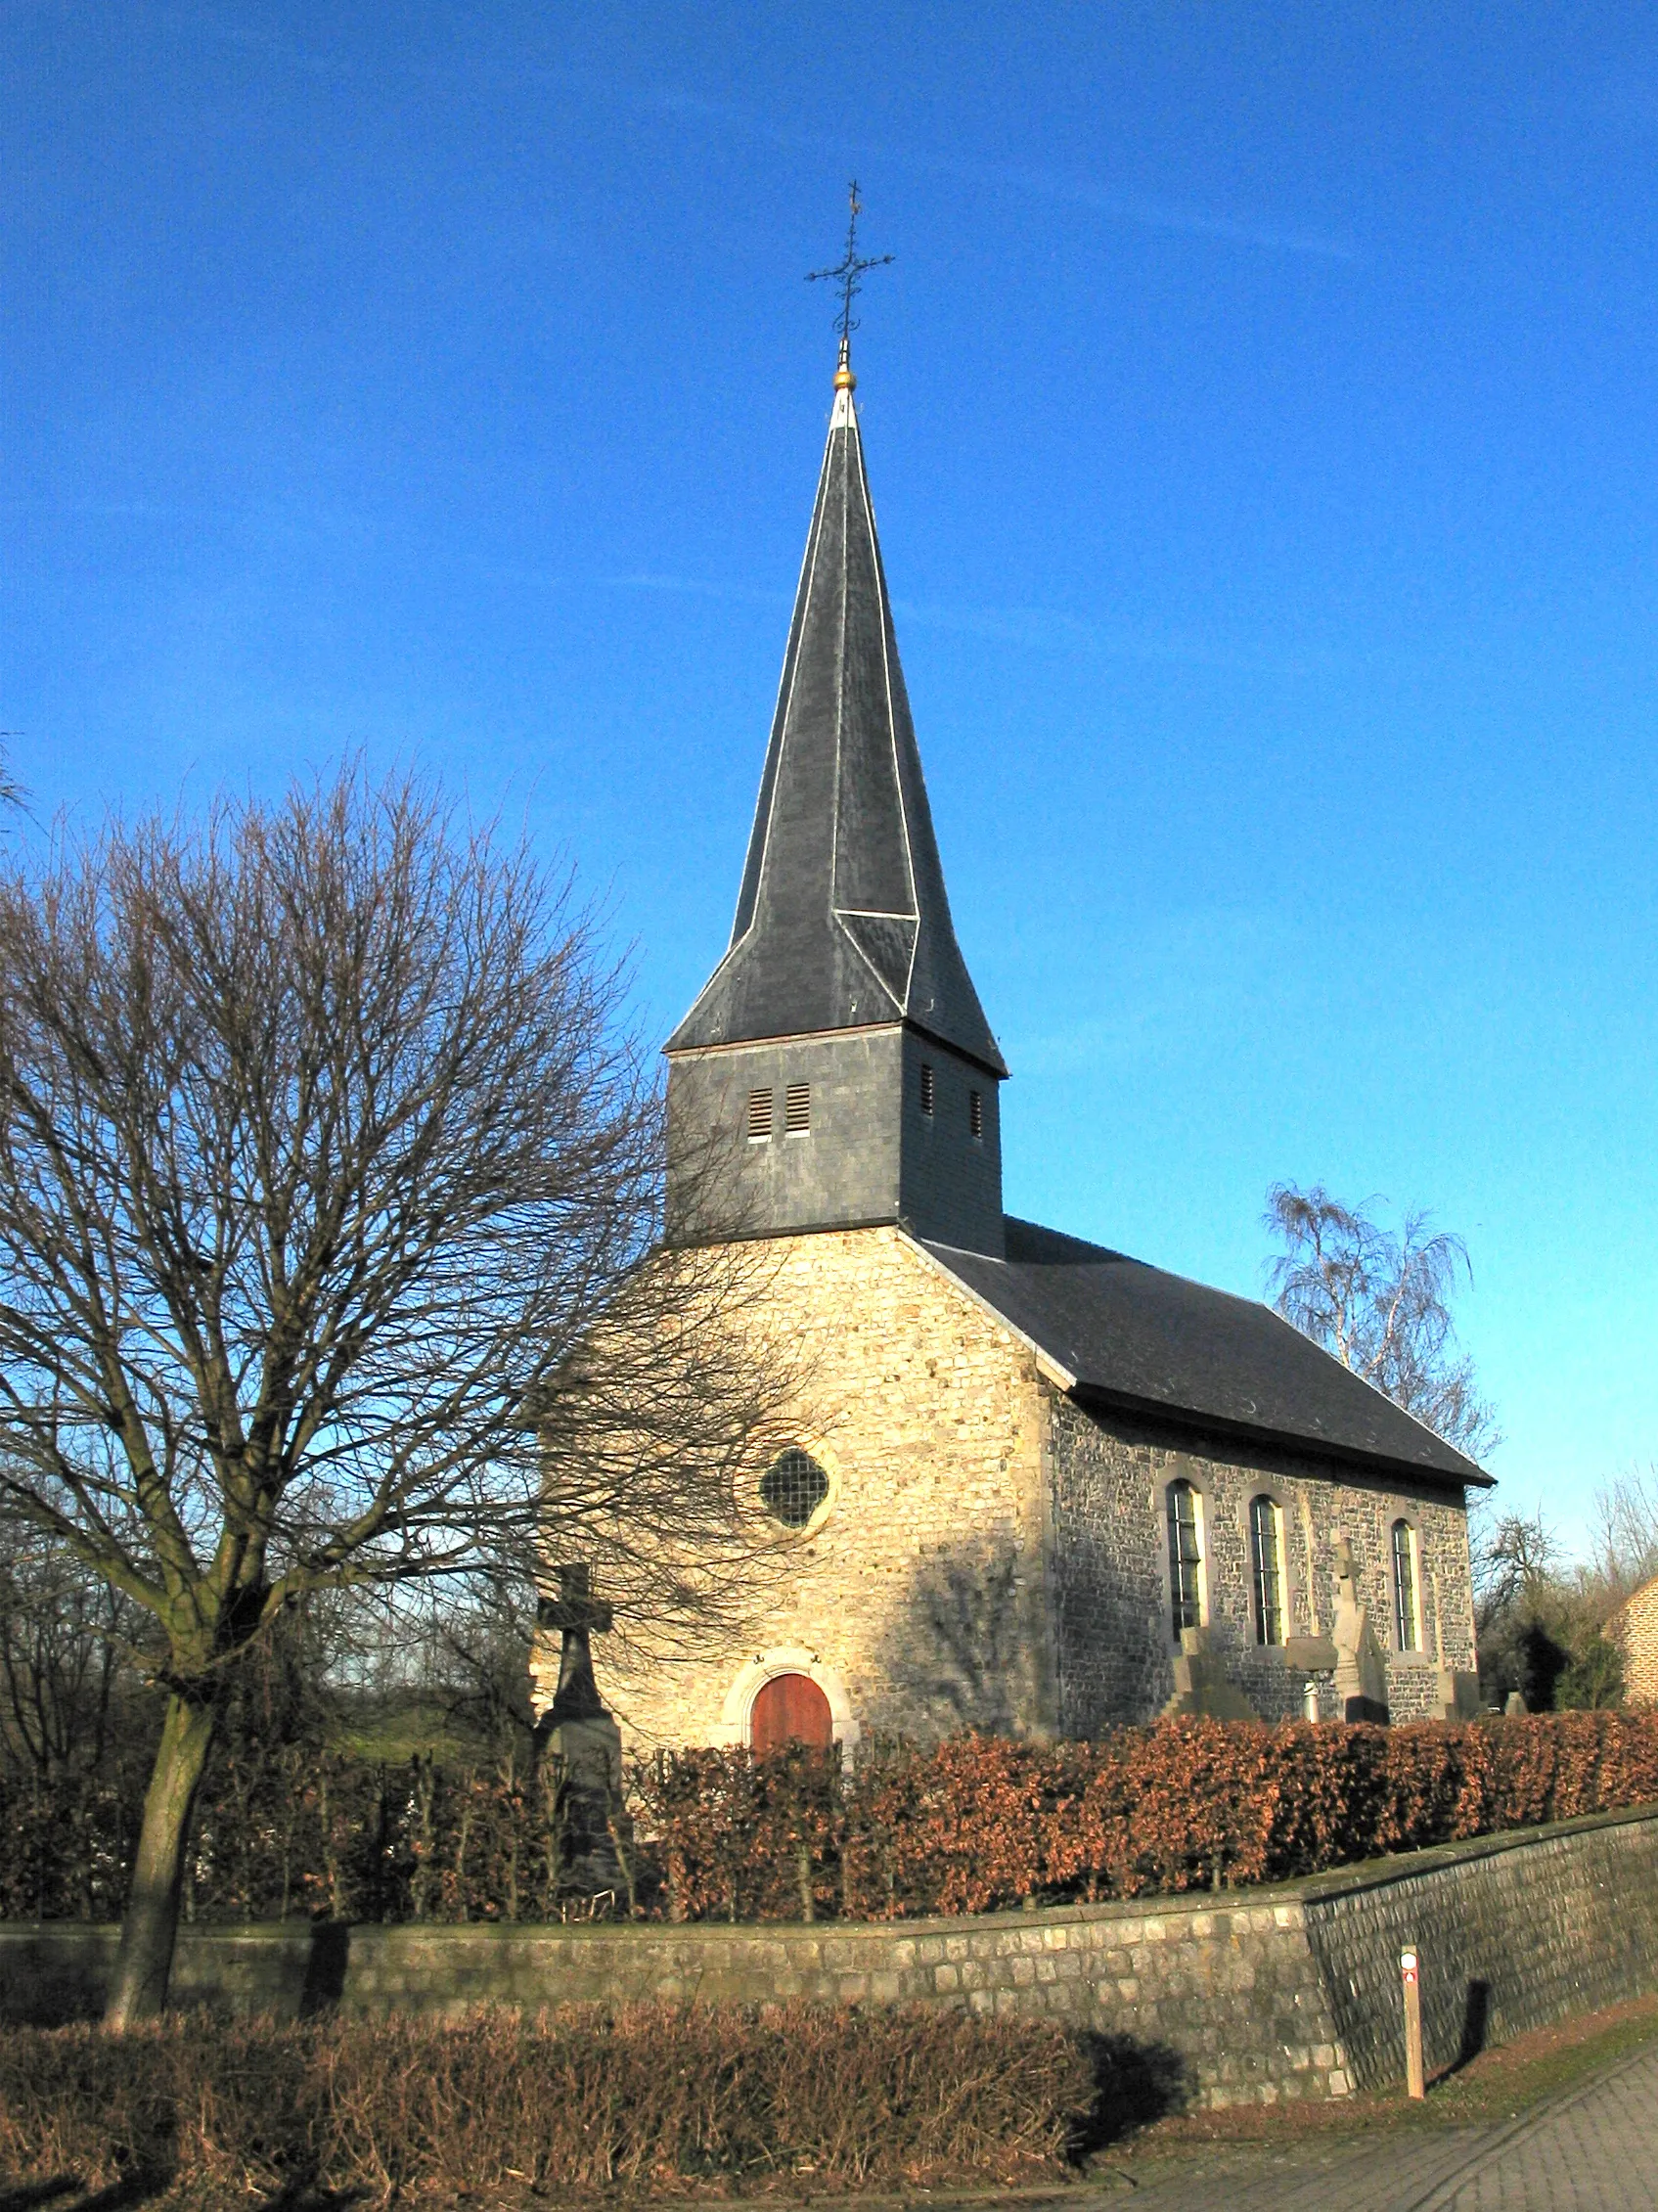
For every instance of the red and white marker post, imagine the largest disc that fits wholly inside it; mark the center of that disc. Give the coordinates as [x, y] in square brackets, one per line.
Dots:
[1416, 2082]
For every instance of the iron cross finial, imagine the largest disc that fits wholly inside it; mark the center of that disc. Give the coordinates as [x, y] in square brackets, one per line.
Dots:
[848, 274]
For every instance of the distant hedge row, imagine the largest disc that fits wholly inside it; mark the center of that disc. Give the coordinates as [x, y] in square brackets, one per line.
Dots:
[975, 1823]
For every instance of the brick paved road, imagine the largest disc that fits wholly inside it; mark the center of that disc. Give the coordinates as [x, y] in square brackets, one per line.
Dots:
[1594, 2150]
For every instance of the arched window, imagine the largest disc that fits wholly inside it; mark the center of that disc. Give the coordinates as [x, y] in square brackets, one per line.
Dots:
[1265, 1562]
[1407, 1613]
[793, 1488]
[1186, 1557]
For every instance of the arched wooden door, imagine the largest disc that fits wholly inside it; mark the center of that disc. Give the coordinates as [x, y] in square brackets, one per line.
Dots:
[790, 1709]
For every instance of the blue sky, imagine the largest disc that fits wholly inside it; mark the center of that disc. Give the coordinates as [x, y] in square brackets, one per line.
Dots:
[1260, 411]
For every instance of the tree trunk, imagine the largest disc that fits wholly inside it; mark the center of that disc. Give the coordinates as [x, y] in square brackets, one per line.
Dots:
[145, 1960]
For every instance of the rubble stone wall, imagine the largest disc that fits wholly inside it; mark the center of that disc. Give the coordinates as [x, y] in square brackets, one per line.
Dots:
[1109, 1478]
[917, 1598]
[1249, 1995]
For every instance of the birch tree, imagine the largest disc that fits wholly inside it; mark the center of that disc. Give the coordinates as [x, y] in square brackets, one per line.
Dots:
[1380, 1301]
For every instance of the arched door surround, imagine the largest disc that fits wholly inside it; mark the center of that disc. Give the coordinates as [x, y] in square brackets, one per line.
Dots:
[736, 1721]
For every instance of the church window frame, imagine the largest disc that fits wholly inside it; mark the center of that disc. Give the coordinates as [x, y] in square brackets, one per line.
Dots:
[928, 1089]
[975, 1116]
[797, 1109]
[760, 1115]
[1269, 1582]
[822, 1492]
[1186, 1554]
[1405, 1572]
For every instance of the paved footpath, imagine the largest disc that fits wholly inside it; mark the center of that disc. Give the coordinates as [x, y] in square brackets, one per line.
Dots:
[1594, 2150]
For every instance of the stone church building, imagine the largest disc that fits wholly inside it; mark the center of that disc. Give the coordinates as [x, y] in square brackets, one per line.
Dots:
[1045, 1487]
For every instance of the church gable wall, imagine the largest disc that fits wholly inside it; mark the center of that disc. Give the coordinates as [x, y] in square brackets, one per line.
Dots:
[1108, 1478]
[917, 1599]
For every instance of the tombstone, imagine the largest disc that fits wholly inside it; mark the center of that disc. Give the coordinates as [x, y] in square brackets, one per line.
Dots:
[1361, 1665]
[1456, 1694]
[1201, 1685]
[582, 1738]
[1314, 1658]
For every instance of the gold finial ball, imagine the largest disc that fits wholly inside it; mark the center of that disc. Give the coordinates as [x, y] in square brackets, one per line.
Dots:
[844, 380]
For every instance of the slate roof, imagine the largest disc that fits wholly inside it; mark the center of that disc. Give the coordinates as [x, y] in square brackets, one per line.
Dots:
[842, 920]
[1142, 1340]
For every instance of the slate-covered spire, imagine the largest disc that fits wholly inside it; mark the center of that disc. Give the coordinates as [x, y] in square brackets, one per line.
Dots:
[843, 921]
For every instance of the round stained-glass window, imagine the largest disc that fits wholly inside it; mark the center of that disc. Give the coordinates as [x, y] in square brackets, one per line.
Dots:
[793, 1488]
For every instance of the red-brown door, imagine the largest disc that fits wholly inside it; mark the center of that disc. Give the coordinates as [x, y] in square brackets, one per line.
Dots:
[790, 1709]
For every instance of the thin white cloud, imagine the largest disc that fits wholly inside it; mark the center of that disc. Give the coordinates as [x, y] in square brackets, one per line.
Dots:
[1042, 630]
[1174, 218]
[694, 587]
[1251, 228]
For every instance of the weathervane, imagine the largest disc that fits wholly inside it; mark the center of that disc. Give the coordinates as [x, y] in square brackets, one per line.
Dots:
[848, 273]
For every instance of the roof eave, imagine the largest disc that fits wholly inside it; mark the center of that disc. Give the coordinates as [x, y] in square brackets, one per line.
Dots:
[1088, 1394]
[995, 1065]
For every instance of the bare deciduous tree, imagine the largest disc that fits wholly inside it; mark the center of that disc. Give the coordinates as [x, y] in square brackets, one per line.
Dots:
[1539, 1616]
[1515, 1560]
[66, 1673]
[12, 797]
[1625, 1535]
[1380, 1301]
[322, 1155]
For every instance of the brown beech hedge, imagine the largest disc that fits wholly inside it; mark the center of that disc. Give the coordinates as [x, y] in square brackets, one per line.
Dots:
[975, 1823]
[983, 1823]
[573, 2100]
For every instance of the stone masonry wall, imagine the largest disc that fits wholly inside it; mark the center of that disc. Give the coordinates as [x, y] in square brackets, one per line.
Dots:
[917, 1597]
[1262, 1995]
[1108, 1478]
[991, 1555]
[1513, 1932]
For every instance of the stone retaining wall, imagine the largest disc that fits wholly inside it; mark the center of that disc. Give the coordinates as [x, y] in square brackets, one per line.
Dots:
[1290, 1992]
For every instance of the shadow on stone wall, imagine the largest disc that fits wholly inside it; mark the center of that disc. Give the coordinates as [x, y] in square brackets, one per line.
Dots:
[958, 1649]
[326, 1964]
[1476, 2024]
[51, 1982]
[1134, 2084]
[954, 1647]
[1115, 1663]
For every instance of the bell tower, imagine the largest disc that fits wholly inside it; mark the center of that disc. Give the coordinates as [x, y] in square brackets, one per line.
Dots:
[837, 1069]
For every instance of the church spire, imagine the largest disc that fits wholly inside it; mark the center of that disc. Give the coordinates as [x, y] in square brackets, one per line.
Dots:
[837, 1070]
[843, 921]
